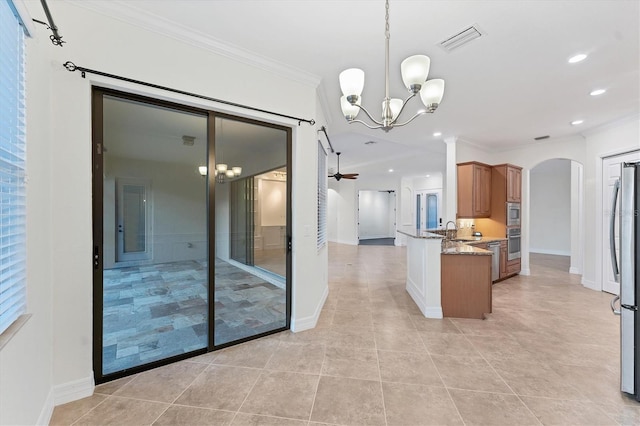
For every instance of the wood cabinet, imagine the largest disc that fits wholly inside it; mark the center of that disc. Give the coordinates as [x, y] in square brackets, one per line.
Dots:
[503, 259]
[513, 267]
[474, 190]
[514, 183]
[465, 285]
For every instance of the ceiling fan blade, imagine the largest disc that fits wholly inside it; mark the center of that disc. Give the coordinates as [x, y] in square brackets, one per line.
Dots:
[350, 174]
[349, 177]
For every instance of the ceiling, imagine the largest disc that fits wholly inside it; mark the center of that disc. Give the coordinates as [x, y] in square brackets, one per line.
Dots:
[502, 90]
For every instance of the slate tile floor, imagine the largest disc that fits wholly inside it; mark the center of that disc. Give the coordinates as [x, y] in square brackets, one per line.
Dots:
[156, 311]
[547, 355]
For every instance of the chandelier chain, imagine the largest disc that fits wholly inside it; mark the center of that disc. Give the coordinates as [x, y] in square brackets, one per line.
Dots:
[414, 70]
[387, 34]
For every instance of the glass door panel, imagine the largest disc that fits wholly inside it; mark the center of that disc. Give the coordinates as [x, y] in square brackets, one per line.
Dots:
[251, 216]
[154, 280]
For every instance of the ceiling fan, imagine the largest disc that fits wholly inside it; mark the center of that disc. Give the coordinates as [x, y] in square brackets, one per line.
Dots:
[339, 175]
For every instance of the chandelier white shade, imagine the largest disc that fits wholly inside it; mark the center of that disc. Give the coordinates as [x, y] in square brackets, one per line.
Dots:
[414, 71]
[222, 171]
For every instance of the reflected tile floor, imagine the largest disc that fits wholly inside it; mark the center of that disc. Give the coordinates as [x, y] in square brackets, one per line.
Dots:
[547, 355]
[153, 312]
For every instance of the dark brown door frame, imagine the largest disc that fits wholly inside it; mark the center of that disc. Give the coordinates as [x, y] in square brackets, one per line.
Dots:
[97, 132]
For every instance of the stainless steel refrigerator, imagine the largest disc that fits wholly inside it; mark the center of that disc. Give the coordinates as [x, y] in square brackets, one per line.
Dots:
[627, 272]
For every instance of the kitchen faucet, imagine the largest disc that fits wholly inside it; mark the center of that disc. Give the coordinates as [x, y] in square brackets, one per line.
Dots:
[446, 230]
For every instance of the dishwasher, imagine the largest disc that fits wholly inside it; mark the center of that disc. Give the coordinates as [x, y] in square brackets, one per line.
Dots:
[495, 260]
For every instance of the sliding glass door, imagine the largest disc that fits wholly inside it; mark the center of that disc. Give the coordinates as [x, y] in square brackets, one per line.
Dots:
[251, 215]
[182, 220]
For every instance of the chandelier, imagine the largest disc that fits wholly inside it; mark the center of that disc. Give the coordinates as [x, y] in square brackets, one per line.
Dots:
[414, 70]
[222, 172]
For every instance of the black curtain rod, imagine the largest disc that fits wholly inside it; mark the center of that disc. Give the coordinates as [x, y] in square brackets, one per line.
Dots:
[55, 38]
[70, 66]
[324, 130]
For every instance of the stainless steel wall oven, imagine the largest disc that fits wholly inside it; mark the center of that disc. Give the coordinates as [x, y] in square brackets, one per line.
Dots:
[513, 243]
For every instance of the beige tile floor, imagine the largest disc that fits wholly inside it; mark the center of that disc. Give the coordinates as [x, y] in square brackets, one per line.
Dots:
[547, 355]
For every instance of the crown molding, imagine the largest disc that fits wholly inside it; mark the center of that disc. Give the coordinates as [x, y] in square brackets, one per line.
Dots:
[125, 12]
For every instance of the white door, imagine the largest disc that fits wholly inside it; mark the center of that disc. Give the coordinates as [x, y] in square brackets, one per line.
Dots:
[132, 203]
[611, 173]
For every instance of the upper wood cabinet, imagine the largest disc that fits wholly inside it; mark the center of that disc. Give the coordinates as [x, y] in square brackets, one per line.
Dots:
[474, 190]
[514, 183]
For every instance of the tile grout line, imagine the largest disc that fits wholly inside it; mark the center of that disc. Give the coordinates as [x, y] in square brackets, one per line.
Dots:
[442, 380]
[384, 406]
[315, 393]
[503, 380]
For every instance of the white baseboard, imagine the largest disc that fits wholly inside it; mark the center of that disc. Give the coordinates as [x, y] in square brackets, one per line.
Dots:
[47, 410]
[348, 242]
[310, 322]
[574, 270]
[590, 284]
[415, 293]
[555, 252]
[73, 391]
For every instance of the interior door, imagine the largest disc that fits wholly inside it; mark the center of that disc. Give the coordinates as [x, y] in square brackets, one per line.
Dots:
[133, 206]
[611, 173]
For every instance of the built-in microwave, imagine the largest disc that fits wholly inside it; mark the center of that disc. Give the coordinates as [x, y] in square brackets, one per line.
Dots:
[513, 214]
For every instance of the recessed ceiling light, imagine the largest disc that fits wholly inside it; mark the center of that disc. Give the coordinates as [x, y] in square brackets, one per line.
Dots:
[428, 176]
[576, 122]
[597, 92]
[577, 58]
[390, 170]
[436, 134]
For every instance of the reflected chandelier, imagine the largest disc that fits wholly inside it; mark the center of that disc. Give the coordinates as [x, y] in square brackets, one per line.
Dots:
[414, 70]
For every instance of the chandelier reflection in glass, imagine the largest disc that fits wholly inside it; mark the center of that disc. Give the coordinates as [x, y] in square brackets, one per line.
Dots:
[414, 70]
[222, 172]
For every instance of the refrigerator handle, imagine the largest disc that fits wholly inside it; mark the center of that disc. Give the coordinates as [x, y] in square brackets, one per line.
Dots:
[612, 232]
[613, 305]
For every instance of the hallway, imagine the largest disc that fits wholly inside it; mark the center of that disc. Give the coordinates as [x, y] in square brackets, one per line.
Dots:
[547, 355]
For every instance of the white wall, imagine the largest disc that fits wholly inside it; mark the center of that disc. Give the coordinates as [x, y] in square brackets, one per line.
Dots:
[376, 213]
[343, 212]
[550, 210]
[52, 354]
[177, 202]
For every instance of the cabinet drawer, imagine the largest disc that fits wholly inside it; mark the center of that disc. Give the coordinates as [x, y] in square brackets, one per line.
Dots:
[513, 266]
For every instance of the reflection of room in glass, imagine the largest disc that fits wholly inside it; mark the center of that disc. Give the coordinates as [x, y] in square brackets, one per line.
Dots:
[251, 231]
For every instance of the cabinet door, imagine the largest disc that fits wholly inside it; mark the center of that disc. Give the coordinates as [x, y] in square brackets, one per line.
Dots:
[481, 191]
[474, 190]
[503, 260]
[514, 184]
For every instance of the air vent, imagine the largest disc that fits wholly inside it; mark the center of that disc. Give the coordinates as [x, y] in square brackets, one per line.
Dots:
[460, 39]
[188, 140]
[539, 138]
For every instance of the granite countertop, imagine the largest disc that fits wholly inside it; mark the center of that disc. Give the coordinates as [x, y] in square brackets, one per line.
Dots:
[479, 240]
[466, 245]
[456, 247]
[420, 233]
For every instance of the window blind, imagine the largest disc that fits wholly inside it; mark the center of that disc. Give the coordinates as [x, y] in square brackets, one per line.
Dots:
[322, 197]
[12, 167]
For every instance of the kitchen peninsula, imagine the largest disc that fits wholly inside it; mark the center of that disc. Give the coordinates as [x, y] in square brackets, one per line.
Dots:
[447, 279]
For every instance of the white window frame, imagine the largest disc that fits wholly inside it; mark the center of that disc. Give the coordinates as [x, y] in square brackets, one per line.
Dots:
[16, 24]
